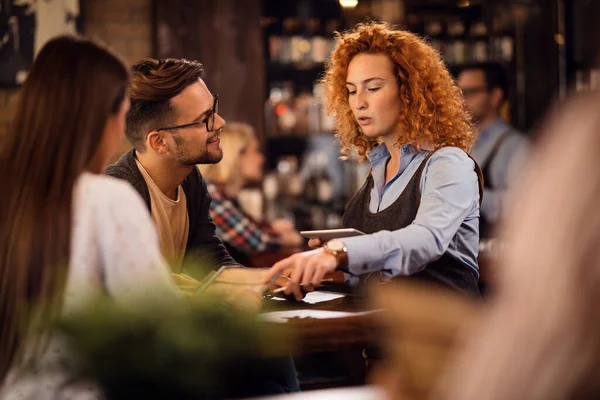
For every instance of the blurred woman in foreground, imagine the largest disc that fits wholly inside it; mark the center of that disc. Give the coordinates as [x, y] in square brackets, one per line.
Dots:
[67, 233]
[540, 337]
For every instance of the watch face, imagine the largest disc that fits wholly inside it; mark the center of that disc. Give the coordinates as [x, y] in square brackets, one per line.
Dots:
[335, 245]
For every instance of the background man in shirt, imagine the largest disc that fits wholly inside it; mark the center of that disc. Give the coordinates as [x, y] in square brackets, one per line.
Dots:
[173, 125]
[499, 150]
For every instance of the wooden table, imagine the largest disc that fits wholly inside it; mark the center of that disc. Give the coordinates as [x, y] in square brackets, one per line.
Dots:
[328, 352]
[419, 328]
[316, 335]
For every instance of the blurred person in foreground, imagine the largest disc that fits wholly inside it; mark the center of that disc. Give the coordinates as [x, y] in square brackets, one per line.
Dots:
[242, 165]
[397, 106]
[540, 336]
[67, 233]
[500, 149]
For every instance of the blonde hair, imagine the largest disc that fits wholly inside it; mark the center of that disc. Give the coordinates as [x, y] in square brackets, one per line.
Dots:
[235, 138]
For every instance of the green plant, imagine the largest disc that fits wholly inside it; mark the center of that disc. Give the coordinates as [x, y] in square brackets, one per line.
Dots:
[200, 350]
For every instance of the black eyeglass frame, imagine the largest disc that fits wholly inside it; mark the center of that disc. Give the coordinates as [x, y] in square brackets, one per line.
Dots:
[209, 121]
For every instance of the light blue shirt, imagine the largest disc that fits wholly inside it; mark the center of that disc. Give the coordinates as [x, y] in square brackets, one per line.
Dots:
[447, 218]
[507, 163]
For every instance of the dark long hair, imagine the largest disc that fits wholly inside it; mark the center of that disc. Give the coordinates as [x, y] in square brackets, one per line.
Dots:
[74, 85]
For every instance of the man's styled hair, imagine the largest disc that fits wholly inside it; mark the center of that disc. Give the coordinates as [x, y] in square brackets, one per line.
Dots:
[495, 75]
[154, 83]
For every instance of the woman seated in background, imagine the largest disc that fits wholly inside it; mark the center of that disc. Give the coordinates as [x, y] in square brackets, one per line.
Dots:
[68, 234]
[242, 165]
[396, 105]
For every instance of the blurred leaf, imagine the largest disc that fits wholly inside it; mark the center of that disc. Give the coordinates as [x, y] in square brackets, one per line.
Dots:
[198, 349]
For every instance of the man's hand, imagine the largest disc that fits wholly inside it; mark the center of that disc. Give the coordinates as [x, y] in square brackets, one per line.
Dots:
[307, 269]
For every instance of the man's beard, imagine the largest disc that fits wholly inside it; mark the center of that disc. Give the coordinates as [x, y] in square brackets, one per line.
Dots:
[208, 158]
[190, 161]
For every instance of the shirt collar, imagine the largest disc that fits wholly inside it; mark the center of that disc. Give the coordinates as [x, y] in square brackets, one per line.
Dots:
[380, 152]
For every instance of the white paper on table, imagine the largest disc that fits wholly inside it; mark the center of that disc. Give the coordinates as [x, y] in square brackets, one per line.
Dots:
[320, 297]
[366, 392]
[283, 316]
[317, 297]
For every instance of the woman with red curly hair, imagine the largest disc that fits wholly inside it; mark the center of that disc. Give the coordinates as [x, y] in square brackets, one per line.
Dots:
[397, 106]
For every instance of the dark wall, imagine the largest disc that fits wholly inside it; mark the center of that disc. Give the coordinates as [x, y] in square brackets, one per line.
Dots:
[541, 60]
[225, 36]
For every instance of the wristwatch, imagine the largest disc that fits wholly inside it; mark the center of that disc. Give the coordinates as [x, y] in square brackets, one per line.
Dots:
[338, 249]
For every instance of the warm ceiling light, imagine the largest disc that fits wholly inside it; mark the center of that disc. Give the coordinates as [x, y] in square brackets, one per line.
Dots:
[348, 3]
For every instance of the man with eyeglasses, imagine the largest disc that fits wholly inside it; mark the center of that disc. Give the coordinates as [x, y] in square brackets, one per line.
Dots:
[173, 125]
[500, 149]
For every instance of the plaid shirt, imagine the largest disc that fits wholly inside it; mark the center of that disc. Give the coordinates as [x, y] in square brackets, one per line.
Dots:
[238, 229]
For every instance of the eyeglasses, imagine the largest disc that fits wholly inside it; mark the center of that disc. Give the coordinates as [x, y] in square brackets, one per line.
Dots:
[209, 120]
[473, 91]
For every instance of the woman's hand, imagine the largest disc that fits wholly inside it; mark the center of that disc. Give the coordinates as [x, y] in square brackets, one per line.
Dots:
[307, 270]
[315, 242]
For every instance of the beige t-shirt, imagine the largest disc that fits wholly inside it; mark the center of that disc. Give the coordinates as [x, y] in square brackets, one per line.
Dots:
[172, 221]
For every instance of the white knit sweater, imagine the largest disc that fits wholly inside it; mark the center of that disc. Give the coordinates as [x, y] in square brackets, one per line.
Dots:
[114, 252]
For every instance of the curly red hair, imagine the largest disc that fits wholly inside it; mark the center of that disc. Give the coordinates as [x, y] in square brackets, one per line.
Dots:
[433, 112]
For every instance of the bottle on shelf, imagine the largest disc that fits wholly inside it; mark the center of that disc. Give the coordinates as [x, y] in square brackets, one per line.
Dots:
[297, 42]
[286, 118]
[505, 48]
[289, 182]
[503, 43]
[458, 47]
[434, 30]
[479, 48]
[310, 189]
[302, 104]
[270, 189]
[324, 187]
[332, 26]
[587, 79]
[315, 112]
[285, 41]
[321, 48]
[274, 99]
[274, 33]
